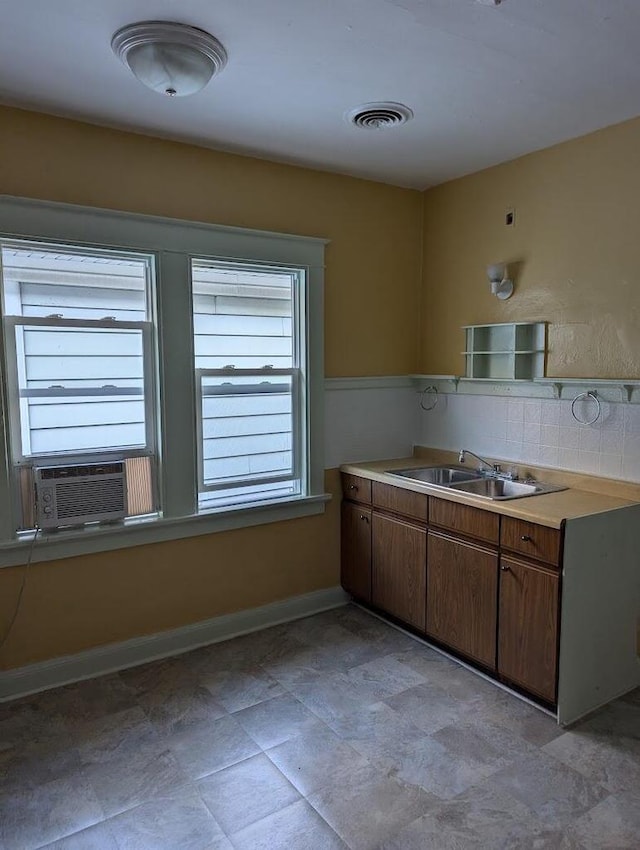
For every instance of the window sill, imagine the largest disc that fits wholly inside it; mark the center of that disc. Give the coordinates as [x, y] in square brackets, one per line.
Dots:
[51, 546]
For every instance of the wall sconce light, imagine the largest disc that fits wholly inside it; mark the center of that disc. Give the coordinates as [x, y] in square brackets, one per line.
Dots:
[501, 286]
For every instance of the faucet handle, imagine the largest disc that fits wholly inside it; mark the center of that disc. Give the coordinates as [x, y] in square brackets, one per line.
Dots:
[497, 468]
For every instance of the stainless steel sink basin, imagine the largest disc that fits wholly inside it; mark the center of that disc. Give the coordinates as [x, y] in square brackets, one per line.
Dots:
[499, 488]
[474, 483]
[441, 476]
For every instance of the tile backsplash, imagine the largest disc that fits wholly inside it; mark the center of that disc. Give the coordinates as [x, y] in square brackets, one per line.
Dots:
[541, 432]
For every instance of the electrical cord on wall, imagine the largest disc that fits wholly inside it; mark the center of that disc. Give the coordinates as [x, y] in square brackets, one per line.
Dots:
[16, 611]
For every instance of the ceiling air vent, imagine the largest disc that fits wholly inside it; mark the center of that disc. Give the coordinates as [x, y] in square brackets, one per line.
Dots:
[376, 116]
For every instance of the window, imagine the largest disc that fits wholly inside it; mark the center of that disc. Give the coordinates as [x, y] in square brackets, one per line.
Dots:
[249, 358]
[191, 352]
[79, 360]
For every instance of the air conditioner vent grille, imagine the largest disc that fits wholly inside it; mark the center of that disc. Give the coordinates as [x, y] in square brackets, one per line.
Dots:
[93, 497]
[77, 494]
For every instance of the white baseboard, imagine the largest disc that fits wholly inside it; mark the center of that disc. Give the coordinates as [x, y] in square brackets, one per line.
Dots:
[118, 656]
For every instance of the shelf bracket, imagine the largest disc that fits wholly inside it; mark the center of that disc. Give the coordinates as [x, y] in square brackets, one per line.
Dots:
[627, 389]
[557, 389]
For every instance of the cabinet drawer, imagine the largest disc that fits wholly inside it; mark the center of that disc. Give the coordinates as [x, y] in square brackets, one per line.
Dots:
[483, 525]
[400, 501]
[527, 538]
[355, 488]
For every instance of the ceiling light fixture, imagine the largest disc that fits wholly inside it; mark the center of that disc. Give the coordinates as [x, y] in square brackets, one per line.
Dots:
[170, 58]
[501, 286]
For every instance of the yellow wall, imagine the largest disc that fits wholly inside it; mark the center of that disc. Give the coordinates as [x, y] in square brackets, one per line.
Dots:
[89, 600]
[373, 260]
[575, 254]
[371, 328]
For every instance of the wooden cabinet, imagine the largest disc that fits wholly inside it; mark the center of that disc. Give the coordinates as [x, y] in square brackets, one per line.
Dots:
[462, 595]
[455, 578]
[356, 550]
[398, 573]
[528, 635]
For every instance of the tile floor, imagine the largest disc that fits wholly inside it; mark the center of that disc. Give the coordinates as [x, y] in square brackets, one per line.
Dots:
[336, 731]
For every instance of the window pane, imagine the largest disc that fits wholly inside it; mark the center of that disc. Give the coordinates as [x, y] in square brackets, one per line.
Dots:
[79, 386]
[80, 390]
[242, 317]
[42, 282]
[246, 429]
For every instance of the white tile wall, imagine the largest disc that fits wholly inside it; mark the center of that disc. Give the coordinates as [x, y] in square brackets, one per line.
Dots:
[369, 423]
[539, 432]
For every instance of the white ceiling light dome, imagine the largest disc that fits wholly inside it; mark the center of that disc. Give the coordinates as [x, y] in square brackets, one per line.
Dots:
[170, 58]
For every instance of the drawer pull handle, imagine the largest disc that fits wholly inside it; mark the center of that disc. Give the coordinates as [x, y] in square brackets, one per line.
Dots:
[353, 486]
[505, 568]
[526, 539]
[364, 517]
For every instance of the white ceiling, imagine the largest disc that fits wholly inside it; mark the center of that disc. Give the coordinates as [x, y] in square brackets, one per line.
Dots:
[486, 84]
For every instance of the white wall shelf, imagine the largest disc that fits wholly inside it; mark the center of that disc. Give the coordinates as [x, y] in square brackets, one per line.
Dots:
[506, 351]
[607, 389]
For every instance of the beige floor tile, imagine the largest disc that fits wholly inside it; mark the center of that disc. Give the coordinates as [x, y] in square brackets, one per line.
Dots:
[98, 837]
[297, 827]
[246, 792]
[205, 747]
[367, 807]
[35, 817]
[276, 720]
[238, 689]
[315, 759]
[614, 824]
[551, 790]
[175, 821]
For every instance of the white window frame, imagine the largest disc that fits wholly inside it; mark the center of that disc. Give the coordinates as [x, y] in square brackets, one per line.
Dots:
[173, 243]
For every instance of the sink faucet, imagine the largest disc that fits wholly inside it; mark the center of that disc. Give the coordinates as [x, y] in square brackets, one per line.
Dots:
[494, 468]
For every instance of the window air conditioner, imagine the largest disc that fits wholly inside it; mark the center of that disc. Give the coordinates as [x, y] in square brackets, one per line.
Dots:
[79, 493]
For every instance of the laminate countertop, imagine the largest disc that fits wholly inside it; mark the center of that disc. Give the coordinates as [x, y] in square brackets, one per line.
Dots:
[549, 509]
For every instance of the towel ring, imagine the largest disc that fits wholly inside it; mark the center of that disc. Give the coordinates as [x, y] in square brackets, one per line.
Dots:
[592, 395]
[434, 392]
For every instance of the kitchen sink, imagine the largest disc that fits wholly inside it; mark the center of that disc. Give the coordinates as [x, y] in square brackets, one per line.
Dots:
[475, 483]
[499, 488]
[441, 476]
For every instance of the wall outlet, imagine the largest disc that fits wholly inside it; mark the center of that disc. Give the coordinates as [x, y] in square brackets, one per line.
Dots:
[510, 217]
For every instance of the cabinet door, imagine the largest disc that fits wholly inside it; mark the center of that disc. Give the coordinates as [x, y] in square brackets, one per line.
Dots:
[399, 563]
[356, 550]
[462, 597]
[528, 631]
